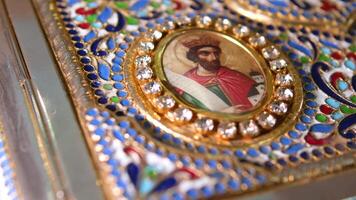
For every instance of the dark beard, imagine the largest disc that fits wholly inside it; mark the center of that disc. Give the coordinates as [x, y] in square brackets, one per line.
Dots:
[212, 66]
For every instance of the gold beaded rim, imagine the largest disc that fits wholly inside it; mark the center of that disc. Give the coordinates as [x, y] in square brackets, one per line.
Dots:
[190, 127]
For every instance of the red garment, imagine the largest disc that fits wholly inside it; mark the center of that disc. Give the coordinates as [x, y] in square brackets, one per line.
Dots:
[234, 84]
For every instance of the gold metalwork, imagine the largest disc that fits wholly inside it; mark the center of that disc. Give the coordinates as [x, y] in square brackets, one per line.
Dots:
[79, 90]
[57, 38]
[244, 8]
[158, 67]
[146, 106]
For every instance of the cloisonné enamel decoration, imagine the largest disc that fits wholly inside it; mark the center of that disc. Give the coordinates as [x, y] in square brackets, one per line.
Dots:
[330, 15]
[192, 99]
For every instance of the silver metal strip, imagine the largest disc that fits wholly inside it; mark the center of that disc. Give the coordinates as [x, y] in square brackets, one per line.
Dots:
[16, 119]
[54, 127]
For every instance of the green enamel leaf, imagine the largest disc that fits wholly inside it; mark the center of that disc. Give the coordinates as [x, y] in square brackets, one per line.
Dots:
[304, 59]
[346, 109]
[353, 99]
[107, 87]
[325, 58]
[122, 5]
[91, 18]
[150, 172]
[283, 36]
[170, 11]
[352, 48]
[155, 4]
[321, 117]
[132, 21]
[115, 99]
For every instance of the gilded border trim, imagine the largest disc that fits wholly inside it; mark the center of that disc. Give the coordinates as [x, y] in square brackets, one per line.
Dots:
[82, 96]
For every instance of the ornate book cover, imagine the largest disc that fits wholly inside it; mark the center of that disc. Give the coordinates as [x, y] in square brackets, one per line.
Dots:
[181, 99]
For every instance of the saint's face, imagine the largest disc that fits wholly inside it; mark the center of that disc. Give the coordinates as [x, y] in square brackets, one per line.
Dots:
[209, 58]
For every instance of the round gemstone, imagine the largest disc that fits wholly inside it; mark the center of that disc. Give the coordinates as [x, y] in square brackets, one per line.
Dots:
[144, 73]
[285, 94]
[249, 128]
[278, 65]
[270, 52]
[146, 46]
[204, 125]
[165, 102]
[152, 88]
[155, 35]
[184, 20]
[203, 21]
[227, 130]
[222, 24]
[181, 115]
[143, 61]
[266, 120]
[278, 107]
[257, 40]
[241, 30]
[284, 79]
[168, 25]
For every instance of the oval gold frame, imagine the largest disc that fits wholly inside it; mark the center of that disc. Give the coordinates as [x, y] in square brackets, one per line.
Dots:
[159, 68]
[186, 132]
